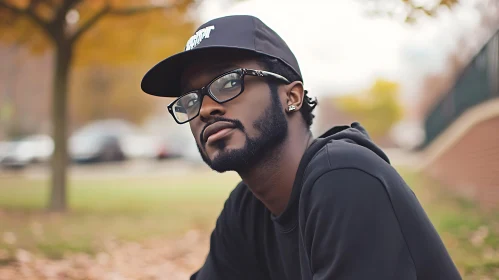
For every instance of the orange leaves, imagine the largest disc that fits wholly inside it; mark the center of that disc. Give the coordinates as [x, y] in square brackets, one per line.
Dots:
[152, 259]
[136, 34]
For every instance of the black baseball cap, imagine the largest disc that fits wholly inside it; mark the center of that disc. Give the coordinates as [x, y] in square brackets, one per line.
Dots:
[237, 32]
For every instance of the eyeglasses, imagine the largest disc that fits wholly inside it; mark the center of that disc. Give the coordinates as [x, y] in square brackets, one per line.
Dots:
[222, 89]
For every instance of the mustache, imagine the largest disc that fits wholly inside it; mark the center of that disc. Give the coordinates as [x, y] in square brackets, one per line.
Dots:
[237, 124]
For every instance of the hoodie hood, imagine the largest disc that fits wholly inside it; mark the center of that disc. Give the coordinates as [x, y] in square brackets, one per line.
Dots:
[355, 134]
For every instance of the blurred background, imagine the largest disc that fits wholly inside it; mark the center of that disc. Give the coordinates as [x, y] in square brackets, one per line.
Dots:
[98, 182]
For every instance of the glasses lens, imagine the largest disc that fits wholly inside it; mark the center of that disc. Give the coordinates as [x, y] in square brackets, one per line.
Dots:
[227, 86]
[186, 107]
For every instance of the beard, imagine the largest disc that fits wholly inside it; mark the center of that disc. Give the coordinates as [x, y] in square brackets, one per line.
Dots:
[273, 130]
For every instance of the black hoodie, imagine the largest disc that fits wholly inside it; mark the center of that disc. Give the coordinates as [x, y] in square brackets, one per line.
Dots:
[350, 216]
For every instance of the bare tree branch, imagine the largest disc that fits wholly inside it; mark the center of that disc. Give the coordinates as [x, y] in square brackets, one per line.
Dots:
[114, 11]
[410, 10]
[137, 10]
[89, 23]
[27, 12]
[32, 4]
[60, 14]
[11, 8]
[50, 3]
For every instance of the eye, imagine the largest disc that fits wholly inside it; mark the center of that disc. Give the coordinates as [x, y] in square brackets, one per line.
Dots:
[191, 102]
[231, 83]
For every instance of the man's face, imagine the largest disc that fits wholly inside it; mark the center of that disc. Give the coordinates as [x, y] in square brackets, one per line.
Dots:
[256, 119]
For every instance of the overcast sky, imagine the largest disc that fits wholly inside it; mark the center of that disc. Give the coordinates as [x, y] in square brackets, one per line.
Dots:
[340, 49]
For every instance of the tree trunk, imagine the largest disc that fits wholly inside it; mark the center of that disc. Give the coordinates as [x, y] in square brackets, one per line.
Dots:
[58, 195]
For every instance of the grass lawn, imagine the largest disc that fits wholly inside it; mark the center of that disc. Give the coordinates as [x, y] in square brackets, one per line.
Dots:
[470, 234]
[103, 209]
[142, 208]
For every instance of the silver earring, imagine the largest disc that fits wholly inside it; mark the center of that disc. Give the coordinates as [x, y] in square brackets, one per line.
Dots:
[291, 108]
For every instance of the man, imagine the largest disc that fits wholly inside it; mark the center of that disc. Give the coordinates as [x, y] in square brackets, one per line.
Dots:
[326, 208]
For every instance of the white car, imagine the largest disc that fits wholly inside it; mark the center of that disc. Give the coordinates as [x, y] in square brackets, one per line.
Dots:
[31, 149]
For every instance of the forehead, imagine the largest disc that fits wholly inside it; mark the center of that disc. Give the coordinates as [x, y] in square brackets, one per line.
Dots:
[205, 68]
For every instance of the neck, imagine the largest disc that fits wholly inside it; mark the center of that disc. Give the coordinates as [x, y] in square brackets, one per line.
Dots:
[271, 181]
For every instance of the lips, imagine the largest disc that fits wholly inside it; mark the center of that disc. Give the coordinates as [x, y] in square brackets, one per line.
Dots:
[216, 127]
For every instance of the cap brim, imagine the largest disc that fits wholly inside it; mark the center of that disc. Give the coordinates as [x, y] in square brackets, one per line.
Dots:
[163, 79]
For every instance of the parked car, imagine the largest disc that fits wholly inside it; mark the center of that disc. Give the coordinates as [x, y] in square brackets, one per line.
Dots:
[100, 141]
[31, 149]
[139, 145]
[5, 147]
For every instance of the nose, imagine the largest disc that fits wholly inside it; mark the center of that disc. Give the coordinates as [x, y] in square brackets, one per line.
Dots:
[210, 108]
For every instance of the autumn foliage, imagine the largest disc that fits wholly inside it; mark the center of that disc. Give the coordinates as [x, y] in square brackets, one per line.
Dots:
[92, 32]
[378, 108]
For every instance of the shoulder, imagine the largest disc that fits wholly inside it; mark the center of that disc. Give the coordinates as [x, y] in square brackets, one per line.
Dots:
[351, 172]
[342, 154]
[344, 174]
[344, 187]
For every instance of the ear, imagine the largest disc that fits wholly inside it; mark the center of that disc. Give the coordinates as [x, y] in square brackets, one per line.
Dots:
[294, 96]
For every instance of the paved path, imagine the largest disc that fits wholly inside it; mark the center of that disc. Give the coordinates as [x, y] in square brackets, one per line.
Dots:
[153, 168]
[135, 168]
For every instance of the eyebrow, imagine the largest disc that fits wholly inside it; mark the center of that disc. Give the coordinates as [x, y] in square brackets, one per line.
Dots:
[217, 68]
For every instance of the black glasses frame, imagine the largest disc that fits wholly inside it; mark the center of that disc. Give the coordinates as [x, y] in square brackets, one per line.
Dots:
[202, 92]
